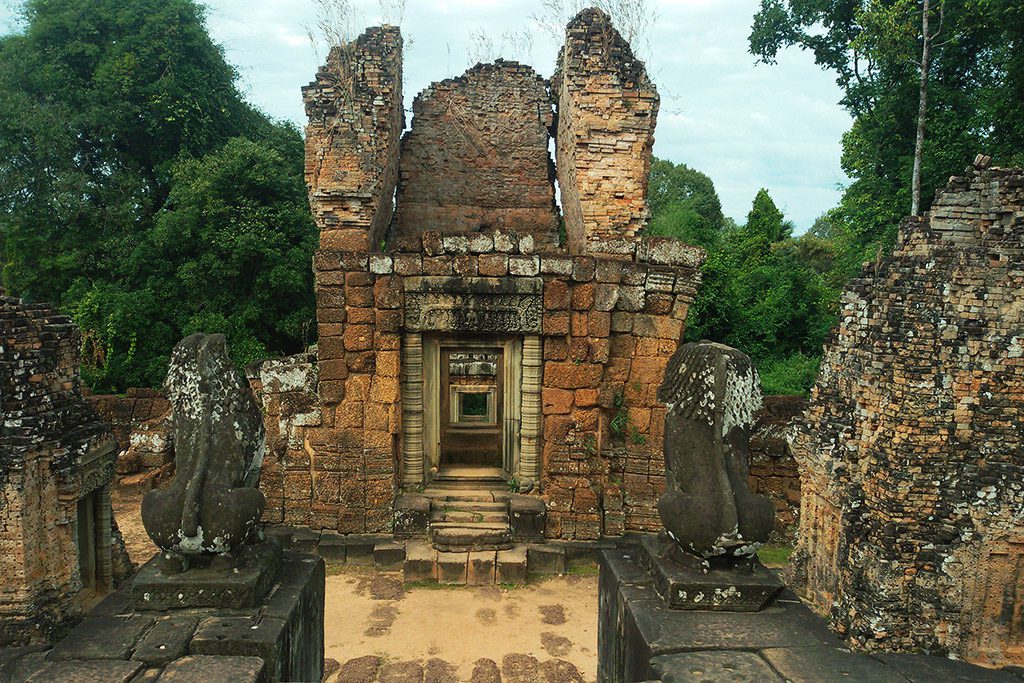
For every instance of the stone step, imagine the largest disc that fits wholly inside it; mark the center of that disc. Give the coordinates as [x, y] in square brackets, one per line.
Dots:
[450, 495]
[469, 516]
[470, 505]
[423, 563]
[453, 537]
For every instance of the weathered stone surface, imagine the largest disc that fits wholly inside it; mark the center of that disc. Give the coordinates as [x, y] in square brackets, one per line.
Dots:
[607, 112]
[166, 641]
[831, 663]
[682, 583]
[54, 452]
[728, 666]
[102, 638]
[712, 393]
[108, 671]
[243, 582]
[199, 669]
[476, 158]
[211, 505]
[910, 461]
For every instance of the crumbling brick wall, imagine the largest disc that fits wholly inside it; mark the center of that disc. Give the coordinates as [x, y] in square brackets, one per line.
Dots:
[607, 111]
[476, 158]
[773, 470]
[911, 452]
[53, 447]
[123, 413]
[356, 119]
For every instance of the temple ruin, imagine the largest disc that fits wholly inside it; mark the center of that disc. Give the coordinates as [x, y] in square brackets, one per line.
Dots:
[57, 460]
[460, 342]
[910, 453]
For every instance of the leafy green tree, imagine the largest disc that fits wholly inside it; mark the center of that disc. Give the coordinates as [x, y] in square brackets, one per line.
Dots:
[684, 204]
[103, 107]
[974, 76]
[768, 294]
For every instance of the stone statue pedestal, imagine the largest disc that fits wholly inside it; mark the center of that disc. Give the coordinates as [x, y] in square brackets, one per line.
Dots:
[241, 579]
[683, 582]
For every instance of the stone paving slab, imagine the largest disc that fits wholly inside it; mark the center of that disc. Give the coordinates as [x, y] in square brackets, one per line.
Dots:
[202, 669]
[102, 638]
[166, 641]
[714, 667]
[930, 669]
[826, 664]
[86, 671]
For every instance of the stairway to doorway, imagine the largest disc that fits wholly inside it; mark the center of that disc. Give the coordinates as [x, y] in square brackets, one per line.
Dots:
[468, 530]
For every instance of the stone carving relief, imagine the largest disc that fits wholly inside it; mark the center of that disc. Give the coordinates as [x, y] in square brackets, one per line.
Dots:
[473, 305]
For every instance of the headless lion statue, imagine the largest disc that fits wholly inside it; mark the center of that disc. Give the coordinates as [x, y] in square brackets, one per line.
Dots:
[712, 392]
[212, 504]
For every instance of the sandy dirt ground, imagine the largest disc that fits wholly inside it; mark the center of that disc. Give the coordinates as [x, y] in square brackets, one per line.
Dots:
[543, 632]
[376, 630]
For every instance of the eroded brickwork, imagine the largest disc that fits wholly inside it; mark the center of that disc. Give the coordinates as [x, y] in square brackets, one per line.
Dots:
[608, 327]
[773, 470]
[54, 450]
[911, 450]
[356, 119]
[477, 159]
[607, 110]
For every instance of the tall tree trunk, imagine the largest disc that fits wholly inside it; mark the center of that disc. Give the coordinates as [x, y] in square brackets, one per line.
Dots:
[922, 112]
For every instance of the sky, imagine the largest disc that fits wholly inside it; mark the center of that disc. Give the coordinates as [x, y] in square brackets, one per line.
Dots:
[746, 125]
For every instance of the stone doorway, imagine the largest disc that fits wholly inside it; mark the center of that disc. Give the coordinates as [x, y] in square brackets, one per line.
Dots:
[472, 416]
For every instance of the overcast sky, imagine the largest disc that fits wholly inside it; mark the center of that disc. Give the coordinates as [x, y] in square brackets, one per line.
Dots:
[746, 125]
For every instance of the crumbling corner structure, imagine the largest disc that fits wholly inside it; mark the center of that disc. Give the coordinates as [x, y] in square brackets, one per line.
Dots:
[57, 460]
[911, 453]
[355, 125]
[607, 111]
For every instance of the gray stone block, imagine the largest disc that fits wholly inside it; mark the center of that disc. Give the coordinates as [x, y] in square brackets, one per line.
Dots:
[745, 587]
[546, 559]
[511, 566]
[102, 638]
[527, 516]
[420, 562]
[389, 555]
[166, 641]
[724, 666]
[240, 636]
[332, 547]
[825, 664]
[201, 669]
[930, 668]
[85, 671]
[241, 585]
[451, 568]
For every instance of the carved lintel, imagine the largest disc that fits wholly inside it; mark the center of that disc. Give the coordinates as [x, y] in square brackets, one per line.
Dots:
[495, 305]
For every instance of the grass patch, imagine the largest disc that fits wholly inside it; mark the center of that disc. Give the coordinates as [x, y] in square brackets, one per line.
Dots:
[431, 585]
[775, 555]
[590, 569]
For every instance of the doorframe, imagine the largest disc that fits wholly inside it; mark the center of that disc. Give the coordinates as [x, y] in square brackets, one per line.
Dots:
[421, 415]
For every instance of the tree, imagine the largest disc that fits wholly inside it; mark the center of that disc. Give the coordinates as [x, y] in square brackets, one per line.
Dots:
[762, 291]
[102, 106]
[896, 82]
[684, 204]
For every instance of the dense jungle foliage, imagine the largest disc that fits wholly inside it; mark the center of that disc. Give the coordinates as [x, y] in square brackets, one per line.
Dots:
[141, 194]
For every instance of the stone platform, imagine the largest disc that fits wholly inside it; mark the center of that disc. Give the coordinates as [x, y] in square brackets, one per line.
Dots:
[278, 639]
[640, 638]
[682, 584]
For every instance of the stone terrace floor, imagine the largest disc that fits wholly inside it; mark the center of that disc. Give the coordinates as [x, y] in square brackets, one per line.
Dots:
[784, 642]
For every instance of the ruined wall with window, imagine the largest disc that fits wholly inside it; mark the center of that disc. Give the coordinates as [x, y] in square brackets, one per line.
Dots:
[911, 453]
[57, 459]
